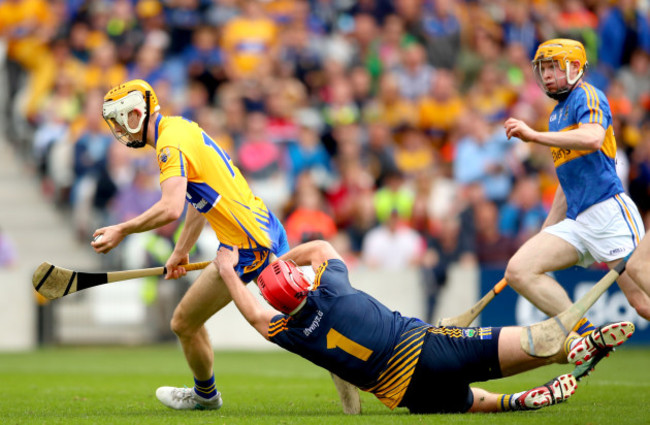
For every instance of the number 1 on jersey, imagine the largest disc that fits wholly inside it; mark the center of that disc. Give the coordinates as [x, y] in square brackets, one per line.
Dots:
[336, 339]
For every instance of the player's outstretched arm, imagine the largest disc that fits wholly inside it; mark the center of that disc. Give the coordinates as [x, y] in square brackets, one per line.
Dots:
[312, 253]
[167, 209]
[247, 305]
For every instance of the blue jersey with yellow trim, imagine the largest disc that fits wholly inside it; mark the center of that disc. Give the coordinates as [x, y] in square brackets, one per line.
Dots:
[353, 335]
[587, 176]
[215, 186]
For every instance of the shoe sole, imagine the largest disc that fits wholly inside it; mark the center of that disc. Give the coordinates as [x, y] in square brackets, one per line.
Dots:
[563, 387]
[559, 390]
[607, 337]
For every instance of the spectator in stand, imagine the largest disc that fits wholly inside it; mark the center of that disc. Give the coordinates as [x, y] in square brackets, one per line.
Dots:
[300, 52]
[390, 107]
[523, 215]
[484, 48]
[103, 70]
[364, 220]
[518, 26]
[394, 197]
[261, 162]
[307, 153]
[635, 76]
[493, 249]
[435, 199]
[392, 245]
[197, 97]
[379, 152]
[149, 65]
[626, 29]
[234, 117]
[135, 198]
[345, 196]
[387, 49]
[28, 26]
[182, 17]
[482, 156]
[93, 187]
[220, 12]
[491, 96]
[249, 41]
[362, 86]
[443, 250]
[470, 200]
[340, 108]
[281, 126]
[309, 221]
[575, 20]
[414, 75]
[364, 38]
[203, 60]
[440, 109]
[414, 153]
[441, 32]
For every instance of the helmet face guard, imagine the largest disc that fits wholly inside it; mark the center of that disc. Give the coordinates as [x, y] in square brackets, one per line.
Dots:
[558, 55]
[116, 115]
[284, 286]
[119, 102]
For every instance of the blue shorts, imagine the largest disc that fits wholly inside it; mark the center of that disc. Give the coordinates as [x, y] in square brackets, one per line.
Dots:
[253, 261]
[451, 359]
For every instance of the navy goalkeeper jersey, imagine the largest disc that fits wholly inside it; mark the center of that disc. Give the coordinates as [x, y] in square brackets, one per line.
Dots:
[351, 334]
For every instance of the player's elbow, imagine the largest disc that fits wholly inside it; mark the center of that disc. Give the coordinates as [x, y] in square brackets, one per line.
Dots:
[322, 250]
[594, 142]
[593, 137]
[171, 212]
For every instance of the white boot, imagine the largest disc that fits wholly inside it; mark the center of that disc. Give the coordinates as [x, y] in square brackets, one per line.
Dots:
[187, 399]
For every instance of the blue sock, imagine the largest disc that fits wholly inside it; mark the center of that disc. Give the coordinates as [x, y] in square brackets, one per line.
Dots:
[205, 389]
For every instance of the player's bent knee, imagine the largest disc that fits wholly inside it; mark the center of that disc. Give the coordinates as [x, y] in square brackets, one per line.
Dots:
[642, 308]
[635, 271]
[515, 276]
[178, 324]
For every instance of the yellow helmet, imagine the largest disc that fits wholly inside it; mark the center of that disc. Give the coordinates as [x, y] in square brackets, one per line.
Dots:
[120, 101]
[563, 52]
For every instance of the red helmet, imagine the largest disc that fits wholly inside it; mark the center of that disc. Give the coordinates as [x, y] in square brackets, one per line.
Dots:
[284, 286]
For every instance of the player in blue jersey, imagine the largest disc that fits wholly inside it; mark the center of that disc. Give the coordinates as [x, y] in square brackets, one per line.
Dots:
[591, 218]
[403, 361]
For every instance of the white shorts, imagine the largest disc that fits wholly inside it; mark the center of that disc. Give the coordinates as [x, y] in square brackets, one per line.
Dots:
[604, 232]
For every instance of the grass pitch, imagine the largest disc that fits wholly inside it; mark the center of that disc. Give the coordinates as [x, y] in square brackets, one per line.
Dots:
[116, 385]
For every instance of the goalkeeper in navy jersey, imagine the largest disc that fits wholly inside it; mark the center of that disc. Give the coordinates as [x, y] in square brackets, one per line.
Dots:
[403, 361]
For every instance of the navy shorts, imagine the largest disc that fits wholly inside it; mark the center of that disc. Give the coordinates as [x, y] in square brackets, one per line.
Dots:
[451, 359]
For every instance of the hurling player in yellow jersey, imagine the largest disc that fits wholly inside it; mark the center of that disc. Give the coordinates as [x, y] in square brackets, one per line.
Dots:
[591, 218]
[193, 168]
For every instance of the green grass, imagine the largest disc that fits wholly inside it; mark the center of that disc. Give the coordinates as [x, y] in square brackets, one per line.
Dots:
[116, 385]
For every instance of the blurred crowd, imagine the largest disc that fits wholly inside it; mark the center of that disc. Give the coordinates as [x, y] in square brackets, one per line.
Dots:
[375, 124]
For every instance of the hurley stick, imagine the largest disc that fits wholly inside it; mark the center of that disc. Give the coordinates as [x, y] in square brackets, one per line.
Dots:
[54, 282]
[546, 338]
[466, 319]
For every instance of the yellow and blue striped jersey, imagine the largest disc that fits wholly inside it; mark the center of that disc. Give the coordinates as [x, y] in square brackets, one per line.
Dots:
[353, 335]
[587, 176]
[215, 186]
